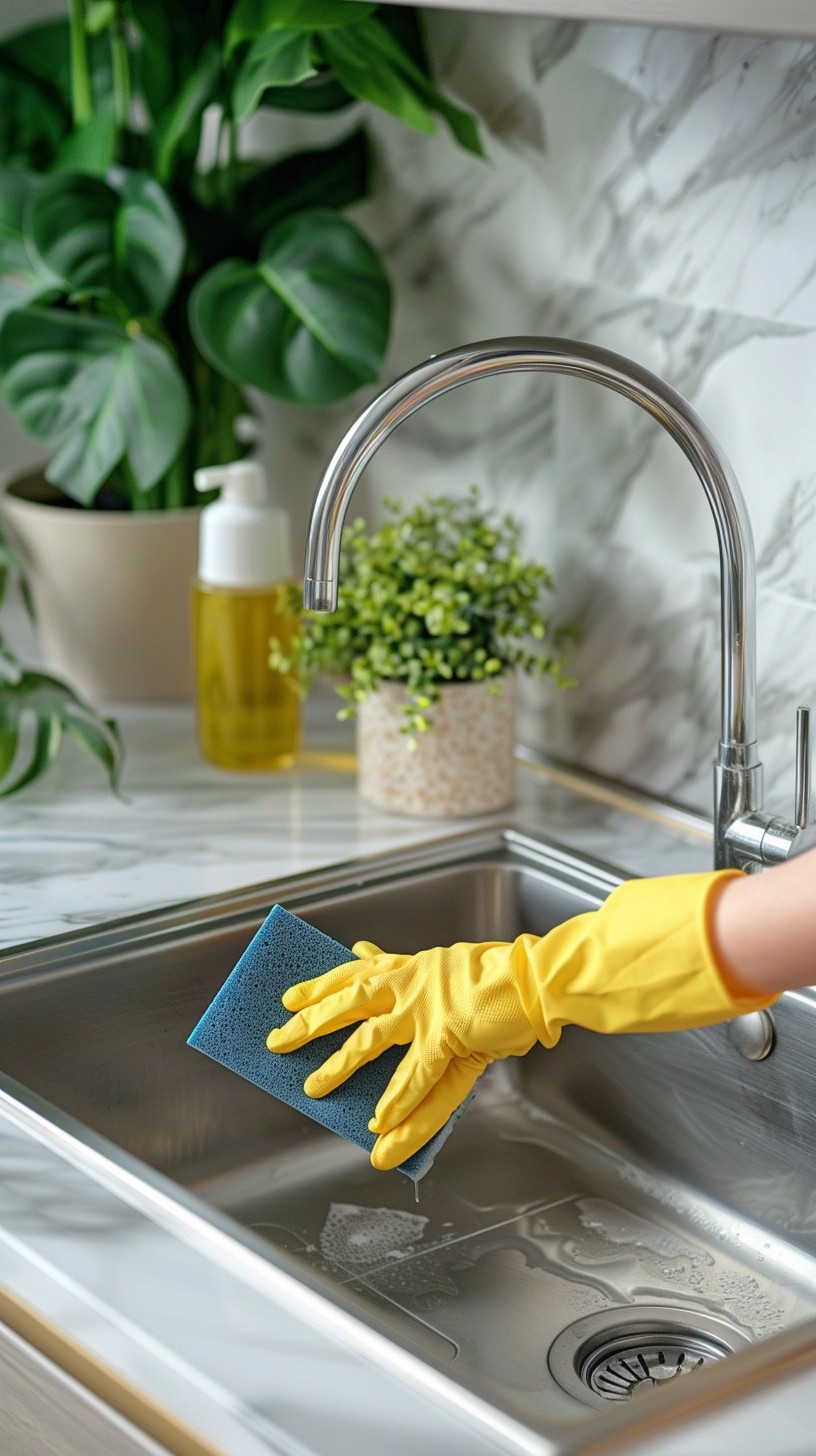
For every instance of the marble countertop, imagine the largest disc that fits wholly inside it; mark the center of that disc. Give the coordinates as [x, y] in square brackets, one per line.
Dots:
[72, 855]
[237, 1356]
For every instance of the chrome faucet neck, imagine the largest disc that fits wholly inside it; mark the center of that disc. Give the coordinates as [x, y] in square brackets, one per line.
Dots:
[738, 773]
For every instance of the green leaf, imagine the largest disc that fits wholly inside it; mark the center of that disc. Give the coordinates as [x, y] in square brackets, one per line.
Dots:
[171, 41]
[461, 124]
[184, 114]
[404, 25]
[9, 738]
[317, 14]
[53, 708]
[253, 18]
[10, 669]
[23, 276]
[47, 740]
[149, 242]
[281, 58]
[322, 93]
[38, 692]
[90, 148]
[99, 14]
[35, 113]
[125, 240]
[373, 66]
[155, 61]
[11, 564]
[184, 27]
[361, 63]
[96, 393]
[329, 177]
[257, 20]
[309, 322]
[404, 44]
[101, 738]
[35, 91]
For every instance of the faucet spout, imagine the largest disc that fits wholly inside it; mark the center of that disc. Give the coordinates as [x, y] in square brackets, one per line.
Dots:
[738, 771]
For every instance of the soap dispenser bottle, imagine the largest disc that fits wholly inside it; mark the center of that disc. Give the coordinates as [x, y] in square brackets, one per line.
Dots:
[248, 715]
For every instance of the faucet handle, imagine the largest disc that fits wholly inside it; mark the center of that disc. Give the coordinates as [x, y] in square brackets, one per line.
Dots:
[760, 839]
[802, 783]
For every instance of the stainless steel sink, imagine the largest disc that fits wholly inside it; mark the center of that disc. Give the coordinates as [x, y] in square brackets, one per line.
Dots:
[607, 1216]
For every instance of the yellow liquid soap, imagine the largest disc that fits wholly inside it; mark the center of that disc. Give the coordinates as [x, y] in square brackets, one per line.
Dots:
[248, 715]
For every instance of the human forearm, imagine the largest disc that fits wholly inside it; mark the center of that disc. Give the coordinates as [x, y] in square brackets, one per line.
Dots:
[763, 928]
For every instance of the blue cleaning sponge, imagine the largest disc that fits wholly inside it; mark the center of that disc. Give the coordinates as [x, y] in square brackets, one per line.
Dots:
[233, 1031]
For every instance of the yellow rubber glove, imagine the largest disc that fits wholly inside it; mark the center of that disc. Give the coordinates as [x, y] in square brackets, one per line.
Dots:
[642, 962]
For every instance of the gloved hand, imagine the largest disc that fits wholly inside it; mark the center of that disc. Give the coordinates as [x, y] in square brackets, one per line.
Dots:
[642, 962]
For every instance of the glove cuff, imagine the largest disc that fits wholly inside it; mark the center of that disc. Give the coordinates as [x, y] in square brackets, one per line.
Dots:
[643, 962]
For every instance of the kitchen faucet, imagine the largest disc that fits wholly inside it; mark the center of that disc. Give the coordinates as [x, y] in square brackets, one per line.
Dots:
[744, 836]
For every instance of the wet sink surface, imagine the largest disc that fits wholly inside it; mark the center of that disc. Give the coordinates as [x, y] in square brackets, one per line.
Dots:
[602, 1178]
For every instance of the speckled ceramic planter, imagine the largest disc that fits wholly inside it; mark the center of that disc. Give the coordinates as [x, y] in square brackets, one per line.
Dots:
[463, 765]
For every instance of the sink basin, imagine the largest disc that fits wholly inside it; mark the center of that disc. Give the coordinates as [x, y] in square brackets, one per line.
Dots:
[606, 1218]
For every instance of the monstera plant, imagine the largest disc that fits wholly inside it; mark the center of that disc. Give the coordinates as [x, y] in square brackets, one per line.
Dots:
[150, 267]
[156, 261]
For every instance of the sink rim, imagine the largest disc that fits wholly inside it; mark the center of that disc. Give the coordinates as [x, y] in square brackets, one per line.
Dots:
[572, 868]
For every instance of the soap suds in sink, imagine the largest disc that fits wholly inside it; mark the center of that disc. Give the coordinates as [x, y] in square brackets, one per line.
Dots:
[618, 1226]
[358, 1237]
[722, 1288]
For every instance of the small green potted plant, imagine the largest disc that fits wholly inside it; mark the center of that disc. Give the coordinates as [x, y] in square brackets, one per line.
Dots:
[437, 613]
[154, 267]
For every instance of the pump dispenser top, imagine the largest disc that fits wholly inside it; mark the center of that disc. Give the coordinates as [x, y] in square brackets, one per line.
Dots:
[244, 538]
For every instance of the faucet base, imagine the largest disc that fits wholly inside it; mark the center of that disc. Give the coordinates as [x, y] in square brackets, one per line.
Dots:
[737, 797]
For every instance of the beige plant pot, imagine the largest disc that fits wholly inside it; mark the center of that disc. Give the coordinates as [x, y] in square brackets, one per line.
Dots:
[111, 591]
[463, 765]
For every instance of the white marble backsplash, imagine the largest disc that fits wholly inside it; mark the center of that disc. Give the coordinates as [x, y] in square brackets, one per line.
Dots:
[653, 191]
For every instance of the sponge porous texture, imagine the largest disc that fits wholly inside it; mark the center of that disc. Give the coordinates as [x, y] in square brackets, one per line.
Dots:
[234, 1028]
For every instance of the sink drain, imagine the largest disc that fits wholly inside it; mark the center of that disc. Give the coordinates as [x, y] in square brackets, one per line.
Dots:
[619, 1354]
[622, 1363]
